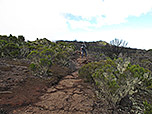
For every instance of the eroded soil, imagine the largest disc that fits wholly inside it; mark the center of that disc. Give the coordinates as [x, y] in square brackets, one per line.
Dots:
[21, 93]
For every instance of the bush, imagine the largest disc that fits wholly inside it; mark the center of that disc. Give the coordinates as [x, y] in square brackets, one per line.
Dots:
[117, 42]
[148, 108]
[32, 66]
[116, 48]
[2, 44]
[116, 79]
[11, 50]
[43, 60]
[21, 39]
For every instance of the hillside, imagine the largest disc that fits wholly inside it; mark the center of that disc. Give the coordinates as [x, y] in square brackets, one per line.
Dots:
[51, 77]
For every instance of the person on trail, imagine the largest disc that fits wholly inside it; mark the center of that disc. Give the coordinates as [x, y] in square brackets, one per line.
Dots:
[83, 50]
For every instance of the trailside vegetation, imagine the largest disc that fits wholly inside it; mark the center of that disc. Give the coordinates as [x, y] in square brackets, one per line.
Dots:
[122, 76]
[42, 53]
[118, 81]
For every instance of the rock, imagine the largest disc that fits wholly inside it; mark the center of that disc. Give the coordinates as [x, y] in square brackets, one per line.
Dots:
[51, 90]
[68, 77]
[6, 92]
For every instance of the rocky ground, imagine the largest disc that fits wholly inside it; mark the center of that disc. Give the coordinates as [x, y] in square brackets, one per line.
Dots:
[17, 86]
[70, 96]
[20, 93]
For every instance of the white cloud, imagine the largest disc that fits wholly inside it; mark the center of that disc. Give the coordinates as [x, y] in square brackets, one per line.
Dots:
[31, 13]
[44, 18]
[115, 11]
[23, 16]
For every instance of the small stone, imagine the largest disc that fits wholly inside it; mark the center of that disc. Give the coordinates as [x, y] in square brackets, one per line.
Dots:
[6, 92]
[52, 89]
[68, 77]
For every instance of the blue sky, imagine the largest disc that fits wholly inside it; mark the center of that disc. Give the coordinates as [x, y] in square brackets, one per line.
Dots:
[82, 20]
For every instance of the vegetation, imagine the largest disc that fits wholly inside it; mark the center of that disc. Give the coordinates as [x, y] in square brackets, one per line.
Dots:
[116, 47]
[117, 79]
[117, 73]
[148, 108]
[42, 53]
[117, 42]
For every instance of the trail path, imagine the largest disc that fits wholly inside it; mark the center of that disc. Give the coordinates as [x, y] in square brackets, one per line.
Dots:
[70, 96]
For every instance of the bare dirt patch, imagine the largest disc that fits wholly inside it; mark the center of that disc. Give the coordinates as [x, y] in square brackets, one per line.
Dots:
[63, 93]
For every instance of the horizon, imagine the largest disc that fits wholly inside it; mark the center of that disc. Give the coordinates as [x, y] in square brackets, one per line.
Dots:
[87, 20]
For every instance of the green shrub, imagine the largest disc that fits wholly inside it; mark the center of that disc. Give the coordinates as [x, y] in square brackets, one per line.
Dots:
[148, 108]
[116, 78]
[11, 50]
[13, 39]
[32, 66]
[2, 44]
[116, 48]
[33, 54]
[42, 60]
[21, 38]
[45, 62]
[47, 52]
[44, 57]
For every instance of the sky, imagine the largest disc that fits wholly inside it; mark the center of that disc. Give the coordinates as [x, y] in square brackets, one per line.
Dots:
[81, 20]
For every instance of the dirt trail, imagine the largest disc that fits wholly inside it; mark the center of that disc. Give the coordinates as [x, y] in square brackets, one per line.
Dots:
[70, 96]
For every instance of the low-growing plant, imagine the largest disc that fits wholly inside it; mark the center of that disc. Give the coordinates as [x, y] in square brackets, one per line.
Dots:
[148, 108]
[116, 79]
[116, 47]
[32, 66]
[11, 50]
[43, 60]
[45, 56]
